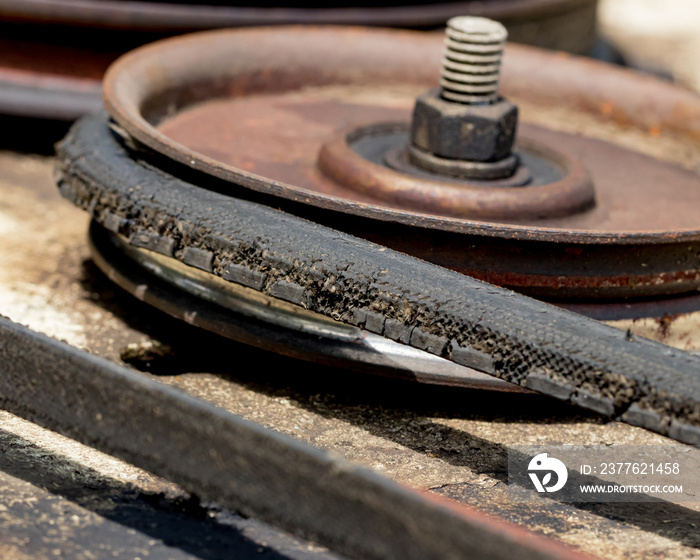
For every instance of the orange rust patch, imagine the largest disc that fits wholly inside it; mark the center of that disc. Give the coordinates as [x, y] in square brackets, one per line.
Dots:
[607, 108]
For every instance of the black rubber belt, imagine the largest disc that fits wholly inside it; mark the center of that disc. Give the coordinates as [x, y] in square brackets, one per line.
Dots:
[242, 465]
[472, 323]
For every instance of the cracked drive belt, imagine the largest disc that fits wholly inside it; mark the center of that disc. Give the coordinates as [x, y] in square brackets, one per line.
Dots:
[464, 320]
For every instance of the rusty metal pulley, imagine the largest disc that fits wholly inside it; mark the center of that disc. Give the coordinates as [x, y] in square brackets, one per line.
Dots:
[266, 111]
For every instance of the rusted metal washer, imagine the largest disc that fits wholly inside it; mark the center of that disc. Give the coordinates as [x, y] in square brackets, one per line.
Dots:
[354, 160]
[255, 107]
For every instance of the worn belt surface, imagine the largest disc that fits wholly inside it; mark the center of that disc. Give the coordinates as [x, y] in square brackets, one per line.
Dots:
[472, 323]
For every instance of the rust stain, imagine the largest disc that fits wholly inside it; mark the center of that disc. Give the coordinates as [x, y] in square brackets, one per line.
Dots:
[607, 108]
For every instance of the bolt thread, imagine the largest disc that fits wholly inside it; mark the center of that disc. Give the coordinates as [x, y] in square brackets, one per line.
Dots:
[471, 64]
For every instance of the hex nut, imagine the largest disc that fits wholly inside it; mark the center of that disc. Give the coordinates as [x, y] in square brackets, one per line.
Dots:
[472, 132]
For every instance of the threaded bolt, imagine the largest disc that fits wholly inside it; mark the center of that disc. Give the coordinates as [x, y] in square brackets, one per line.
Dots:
[471, 65]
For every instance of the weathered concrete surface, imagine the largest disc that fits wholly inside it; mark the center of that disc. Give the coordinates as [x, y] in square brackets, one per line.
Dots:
[452, 441]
